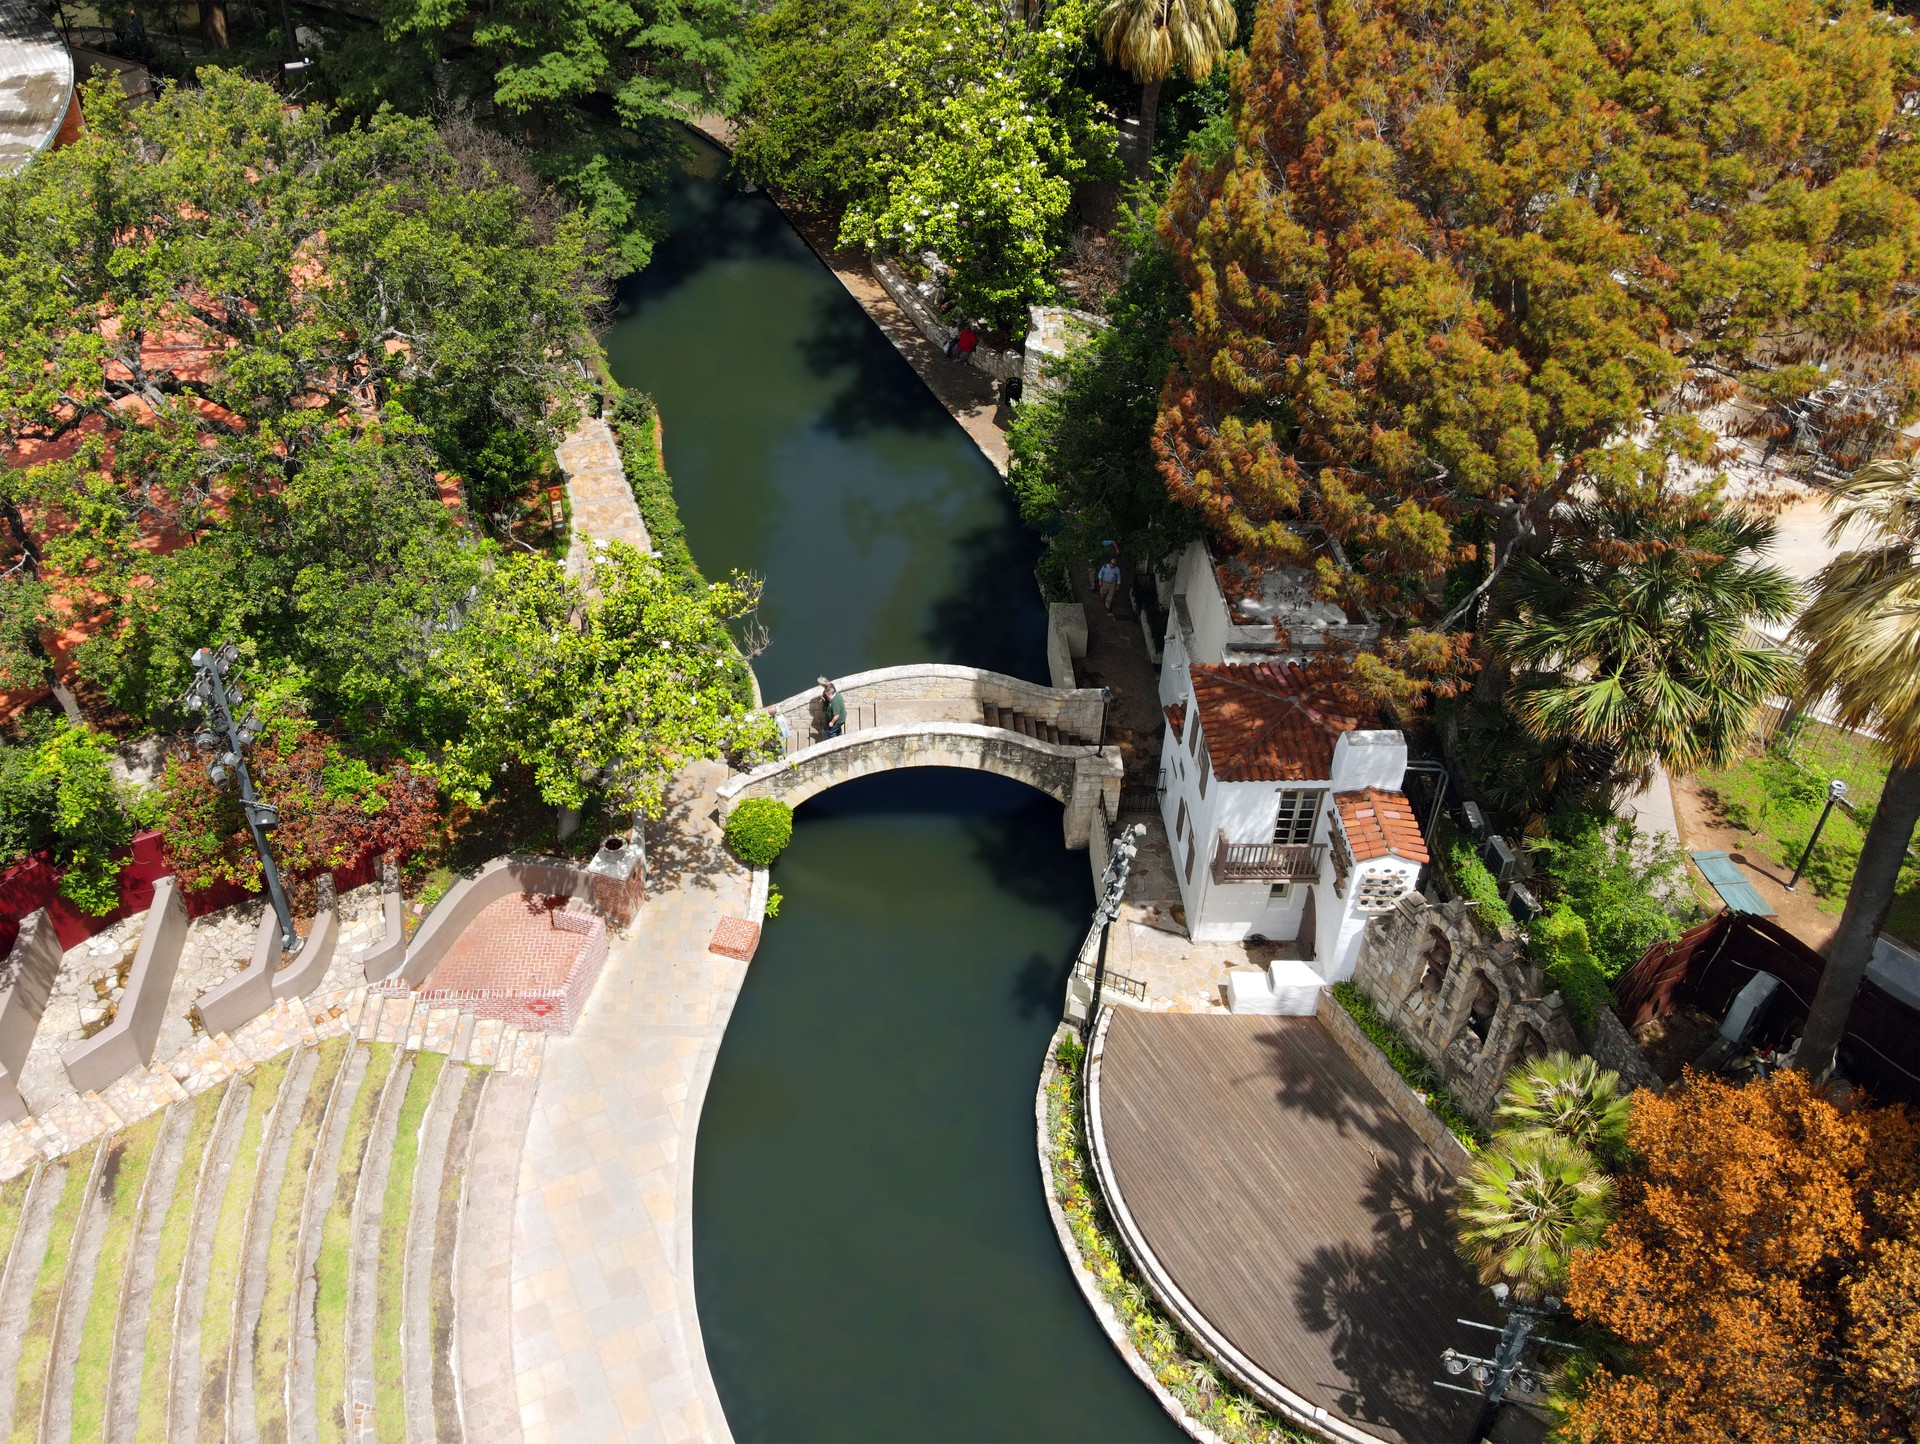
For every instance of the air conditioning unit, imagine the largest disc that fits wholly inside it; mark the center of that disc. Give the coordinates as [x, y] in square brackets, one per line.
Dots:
[1523, 904]
[1476, 820]
[1501, 861]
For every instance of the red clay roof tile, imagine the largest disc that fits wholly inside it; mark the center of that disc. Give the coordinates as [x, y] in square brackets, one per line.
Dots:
[1379, 823]
[1268, 722]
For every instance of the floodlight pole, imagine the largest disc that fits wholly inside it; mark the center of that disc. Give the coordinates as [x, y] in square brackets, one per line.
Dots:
[1836, 792]
[209, 694]
[1113, 885]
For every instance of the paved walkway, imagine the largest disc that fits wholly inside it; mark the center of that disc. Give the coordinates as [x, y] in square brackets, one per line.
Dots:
[606, 1340]
[598, 491]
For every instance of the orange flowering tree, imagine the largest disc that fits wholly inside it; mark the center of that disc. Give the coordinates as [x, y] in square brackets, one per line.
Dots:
[1762, 1272]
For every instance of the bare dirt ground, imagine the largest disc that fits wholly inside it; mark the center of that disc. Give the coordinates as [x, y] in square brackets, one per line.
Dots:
[1703, 826]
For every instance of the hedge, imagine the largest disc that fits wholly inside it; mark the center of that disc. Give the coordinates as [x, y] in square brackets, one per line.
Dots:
[759, 829]
[1414, 1070]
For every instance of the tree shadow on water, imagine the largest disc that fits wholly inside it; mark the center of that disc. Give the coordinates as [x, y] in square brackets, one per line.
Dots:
[877, 389]
[992, 615]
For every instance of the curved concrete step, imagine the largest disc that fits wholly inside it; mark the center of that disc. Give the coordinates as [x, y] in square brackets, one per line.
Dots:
[489, 1402]
[24, 1257]
[423, 1211]
[445, 1259]
[363, 1261]
[190, 1294]
[323, 1179]
[82, 1338]
[138, 1281]
[260, 1310]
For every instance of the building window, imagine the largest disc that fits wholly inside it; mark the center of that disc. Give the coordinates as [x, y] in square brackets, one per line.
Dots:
[1293, 823]
[1205, 765]
[1180, 821]
[1190, 856]
[1342, 860]
[1193, 733]
[1279, 892]
[1486, 1002]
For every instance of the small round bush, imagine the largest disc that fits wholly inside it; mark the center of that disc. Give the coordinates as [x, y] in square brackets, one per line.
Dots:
[759, 829]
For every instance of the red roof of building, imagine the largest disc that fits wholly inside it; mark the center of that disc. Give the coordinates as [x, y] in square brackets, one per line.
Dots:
[1379, 823]
[1269, 722]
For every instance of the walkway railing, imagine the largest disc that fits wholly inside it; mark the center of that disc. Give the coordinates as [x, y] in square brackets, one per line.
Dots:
[1267, 861]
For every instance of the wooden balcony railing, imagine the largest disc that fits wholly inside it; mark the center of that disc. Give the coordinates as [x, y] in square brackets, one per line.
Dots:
[1267, 861]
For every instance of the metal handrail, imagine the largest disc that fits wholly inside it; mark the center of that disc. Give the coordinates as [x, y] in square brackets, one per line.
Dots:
[1267, 861]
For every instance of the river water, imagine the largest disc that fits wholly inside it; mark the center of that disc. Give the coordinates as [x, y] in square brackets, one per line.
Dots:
[873, 1255]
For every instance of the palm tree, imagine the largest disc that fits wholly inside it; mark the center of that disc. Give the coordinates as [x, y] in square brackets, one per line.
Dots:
[1573, 1097]
[1862, 638]
[1154, 38]
[1630, 633]
[1525, 1205]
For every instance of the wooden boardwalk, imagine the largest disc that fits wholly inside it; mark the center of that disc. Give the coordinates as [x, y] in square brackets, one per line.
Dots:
[1303, 1220]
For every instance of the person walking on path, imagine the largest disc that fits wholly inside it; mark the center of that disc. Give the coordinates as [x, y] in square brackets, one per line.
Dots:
[964, 343]
[836, 706]
[1108, 581]
[783, 728]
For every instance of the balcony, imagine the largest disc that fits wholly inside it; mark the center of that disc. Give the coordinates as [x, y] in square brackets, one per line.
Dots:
[1267, 861]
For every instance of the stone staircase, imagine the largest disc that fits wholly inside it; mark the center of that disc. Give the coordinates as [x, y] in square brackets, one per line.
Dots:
[1033, 727]
[275, 1237]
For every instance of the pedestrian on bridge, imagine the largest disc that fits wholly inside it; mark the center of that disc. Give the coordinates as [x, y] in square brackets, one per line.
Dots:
[836, 706]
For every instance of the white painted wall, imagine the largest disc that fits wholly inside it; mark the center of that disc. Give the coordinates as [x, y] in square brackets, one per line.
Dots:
[1370, 759]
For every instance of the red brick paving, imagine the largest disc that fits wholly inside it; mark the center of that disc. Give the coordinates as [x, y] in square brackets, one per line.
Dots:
[513, 944]
[735, 938]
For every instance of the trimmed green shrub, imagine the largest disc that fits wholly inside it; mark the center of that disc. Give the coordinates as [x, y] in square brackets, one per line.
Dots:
[1629, 889]
[1414, 1070]
[759, 829]
[1557, 940]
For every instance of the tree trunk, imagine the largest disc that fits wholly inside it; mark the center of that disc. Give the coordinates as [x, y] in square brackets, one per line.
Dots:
[1149, 118]
[1868, 901]
[213, 23]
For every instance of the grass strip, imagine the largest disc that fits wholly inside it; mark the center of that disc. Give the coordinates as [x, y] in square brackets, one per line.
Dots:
[36, 1345]
[226, 1262]
[13, 1198]
[336, 1252]
[121, 1180]
[446, 1249]
[169, 1258]
[389, 1383]
[273, 1339]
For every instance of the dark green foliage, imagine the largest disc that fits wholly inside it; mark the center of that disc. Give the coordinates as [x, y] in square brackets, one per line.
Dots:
[1473, 882]
[1557, 941]
[759, 829]
[1082, 464]
[633, 415]
[57, 792]
[1415, 1070]
[1630, 891]
[1070, 1052]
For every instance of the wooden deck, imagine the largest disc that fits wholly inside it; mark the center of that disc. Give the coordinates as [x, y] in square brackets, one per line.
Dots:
[1303, 1220]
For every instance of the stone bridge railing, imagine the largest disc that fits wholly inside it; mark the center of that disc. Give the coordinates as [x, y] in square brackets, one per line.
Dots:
[939, 692]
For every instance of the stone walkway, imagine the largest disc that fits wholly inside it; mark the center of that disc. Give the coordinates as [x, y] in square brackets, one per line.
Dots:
[606, 1340]
[598, 492]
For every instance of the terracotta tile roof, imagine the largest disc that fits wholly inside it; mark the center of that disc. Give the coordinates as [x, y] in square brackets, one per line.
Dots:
[1379, 823]
[1177, 720]
[1268, 722]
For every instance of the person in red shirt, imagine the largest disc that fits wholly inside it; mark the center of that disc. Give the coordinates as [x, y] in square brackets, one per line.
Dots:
[966, 340]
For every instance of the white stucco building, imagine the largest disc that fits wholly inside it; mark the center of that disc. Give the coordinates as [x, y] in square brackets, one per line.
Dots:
[1284, 807]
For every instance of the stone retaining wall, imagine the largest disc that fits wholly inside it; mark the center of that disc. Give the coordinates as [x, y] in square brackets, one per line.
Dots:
[545, 876]
[1413, 1111]
[921, 309]
[25, 985]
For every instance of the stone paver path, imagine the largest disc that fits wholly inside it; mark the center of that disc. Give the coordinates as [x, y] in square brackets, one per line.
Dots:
[606, 1341]
[597, 490]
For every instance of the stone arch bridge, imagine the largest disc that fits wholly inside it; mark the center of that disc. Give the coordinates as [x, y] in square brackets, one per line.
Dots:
[937, 715]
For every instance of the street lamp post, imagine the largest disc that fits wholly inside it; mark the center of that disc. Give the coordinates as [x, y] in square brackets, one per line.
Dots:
[1505, 1370]
[1113, 884]
[226, 743]
[1836, 792]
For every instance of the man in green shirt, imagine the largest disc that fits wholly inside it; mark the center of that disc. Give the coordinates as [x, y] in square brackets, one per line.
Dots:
[836, 707]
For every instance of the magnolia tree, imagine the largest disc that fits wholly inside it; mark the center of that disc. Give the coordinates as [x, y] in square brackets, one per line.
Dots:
[607, 692]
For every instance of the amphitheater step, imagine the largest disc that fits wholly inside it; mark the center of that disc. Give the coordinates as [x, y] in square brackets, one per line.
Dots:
[417, 1356]
[210, 1190]
[363, 1259]
[82, 1332]
[447, 1208]
[330, 1158]
[176, 1152]
[483, 1274]
[25, 1257]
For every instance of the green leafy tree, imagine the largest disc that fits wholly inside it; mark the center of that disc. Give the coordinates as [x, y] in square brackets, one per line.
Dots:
[1460, 266]
[1628, 634]
[1525, 1205]
[1153, 39]
[1862, 638]
[58, 793]
[981, 147]
[1629, 889]
[244, 327]
[1574, 1098]
[608, 693]
[1082, 469]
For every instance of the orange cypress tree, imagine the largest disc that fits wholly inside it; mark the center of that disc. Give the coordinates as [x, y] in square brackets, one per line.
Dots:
[1465, 259]
[1763, 1272]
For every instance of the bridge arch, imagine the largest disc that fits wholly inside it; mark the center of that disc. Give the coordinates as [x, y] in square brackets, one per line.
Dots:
[939, 715]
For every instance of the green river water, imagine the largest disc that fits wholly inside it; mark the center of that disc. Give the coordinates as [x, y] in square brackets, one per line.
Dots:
[874, 1259]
